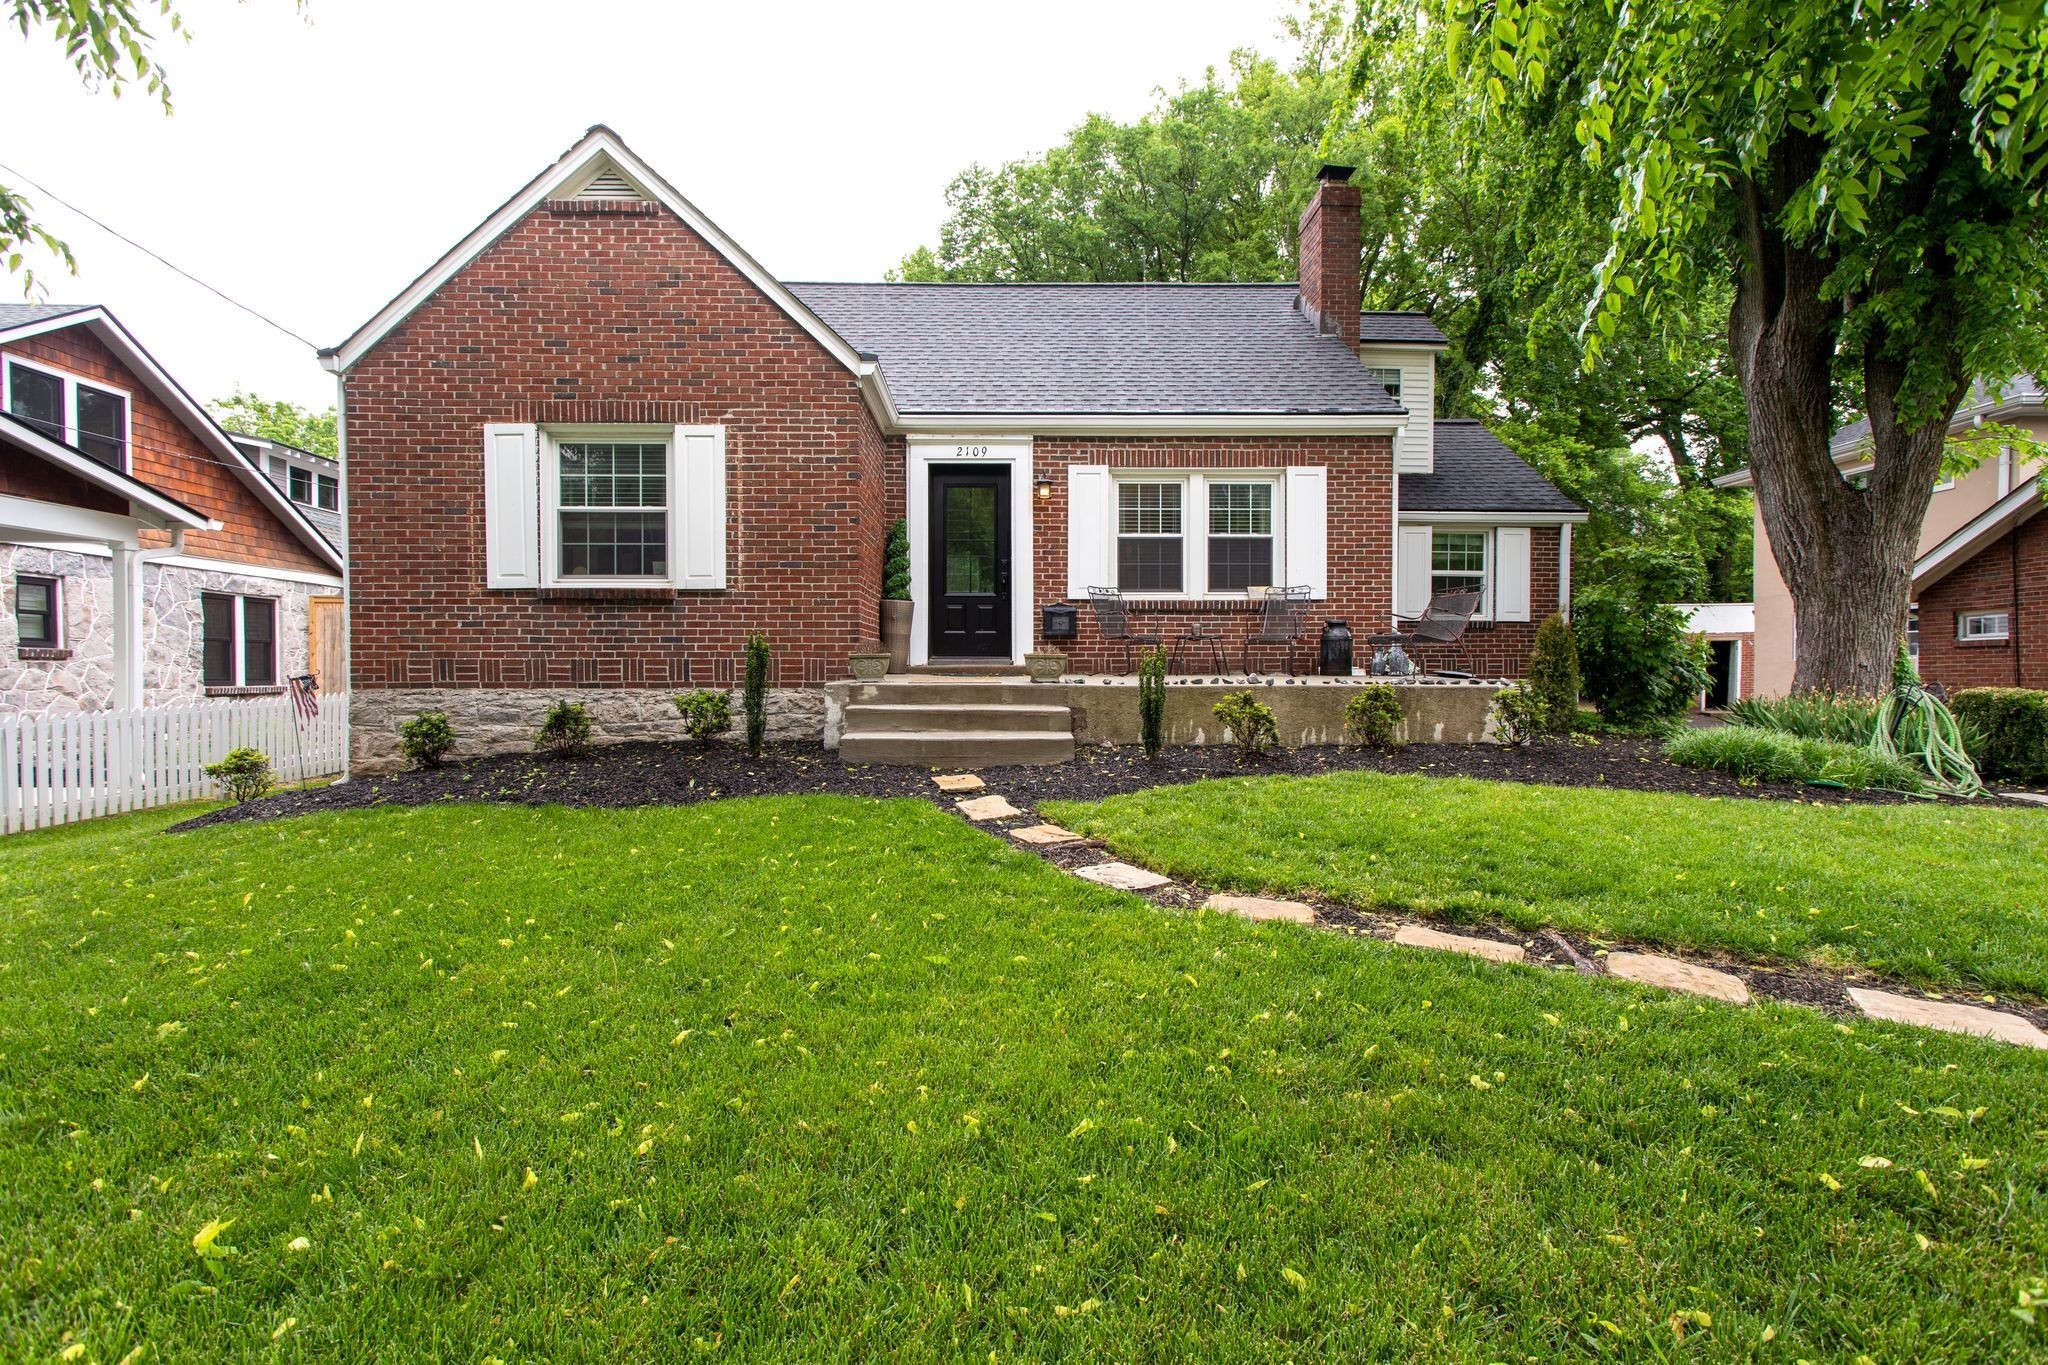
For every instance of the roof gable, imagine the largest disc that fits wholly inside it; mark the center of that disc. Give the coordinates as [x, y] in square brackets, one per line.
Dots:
[1475, 472]
[597, 166]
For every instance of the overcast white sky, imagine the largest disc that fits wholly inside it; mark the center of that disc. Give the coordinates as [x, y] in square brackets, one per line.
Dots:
[314, 165]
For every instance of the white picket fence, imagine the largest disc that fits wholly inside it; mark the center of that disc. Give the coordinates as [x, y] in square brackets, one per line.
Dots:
[57, 769]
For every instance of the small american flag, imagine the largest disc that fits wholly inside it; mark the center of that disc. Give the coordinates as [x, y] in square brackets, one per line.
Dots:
[306, 695]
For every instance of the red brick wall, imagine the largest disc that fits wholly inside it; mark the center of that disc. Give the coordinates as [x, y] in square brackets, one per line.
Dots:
[1328, 254]
[574, 309]
[166, 455]
[1986, 584]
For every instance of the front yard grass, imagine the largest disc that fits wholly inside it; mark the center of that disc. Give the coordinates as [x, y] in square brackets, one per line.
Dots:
[831, 1078]
[1939, 895]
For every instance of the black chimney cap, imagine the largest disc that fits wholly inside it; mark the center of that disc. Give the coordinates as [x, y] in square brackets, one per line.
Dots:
[1339, 174]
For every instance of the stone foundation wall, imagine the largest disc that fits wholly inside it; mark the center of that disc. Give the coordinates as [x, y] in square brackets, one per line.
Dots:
[503, 720]
[171, 636]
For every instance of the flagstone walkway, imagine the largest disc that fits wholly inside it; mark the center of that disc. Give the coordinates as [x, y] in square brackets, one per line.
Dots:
[1732, 983]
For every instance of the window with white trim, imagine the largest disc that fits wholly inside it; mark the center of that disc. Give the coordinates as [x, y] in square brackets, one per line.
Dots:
[327, 492]
[299, 481]
[38, 613]
[1387, 378]
[238, 640]
[1982, 625]
[610, 506]
[1150, 550]
[1457, 562]
[1240, 547]
[68, 408]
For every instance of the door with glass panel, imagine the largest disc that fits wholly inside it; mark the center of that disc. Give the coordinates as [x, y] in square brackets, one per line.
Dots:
[970, 563]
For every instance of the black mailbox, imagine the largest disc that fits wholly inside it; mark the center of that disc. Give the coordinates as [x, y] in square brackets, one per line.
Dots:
[1062, 621]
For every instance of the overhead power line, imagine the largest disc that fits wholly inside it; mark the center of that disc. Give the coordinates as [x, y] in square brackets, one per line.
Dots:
[55, 198]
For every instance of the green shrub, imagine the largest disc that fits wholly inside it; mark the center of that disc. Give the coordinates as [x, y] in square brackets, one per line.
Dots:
[896, 563]
[1810, 715]
[2006, 729]
[754, 695]
[1637, 663]
[1518, 715]
[1248, 722]
[1553, 676]
[565, 732]
[245, 773]
[1373, 717]
[706, 714]
[426, 739]
[1774, 756]
[1152, 701]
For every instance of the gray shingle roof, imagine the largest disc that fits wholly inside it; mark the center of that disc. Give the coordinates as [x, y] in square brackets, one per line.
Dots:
[1097, 348]
[2024, 388]
[1476, 473]
[1402, 329]
[18, 314]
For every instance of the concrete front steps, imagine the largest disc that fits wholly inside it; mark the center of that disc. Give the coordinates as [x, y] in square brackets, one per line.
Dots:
[942, 723]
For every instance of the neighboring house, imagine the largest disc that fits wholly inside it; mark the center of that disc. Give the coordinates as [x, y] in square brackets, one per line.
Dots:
[1967, 619]
[597, 443]
[312, 482]
[144, 559]
[1729, 628]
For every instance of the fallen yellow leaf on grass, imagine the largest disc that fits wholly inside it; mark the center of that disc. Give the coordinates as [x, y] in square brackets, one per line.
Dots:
[530, 1181]
[284, 1327]
[1295, 1278]
[1874, 1163]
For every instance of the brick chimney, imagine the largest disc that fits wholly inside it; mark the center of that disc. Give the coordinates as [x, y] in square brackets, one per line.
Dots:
[1329, 255]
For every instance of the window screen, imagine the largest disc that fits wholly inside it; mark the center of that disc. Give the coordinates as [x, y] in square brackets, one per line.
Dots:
[614, 510]
[103, 426]
[37, 399]
[1240, 536]
[1457, 561]
[1148, 542]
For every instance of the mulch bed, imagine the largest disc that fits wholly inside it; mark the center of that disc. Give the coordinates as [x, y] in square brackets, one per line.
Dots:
[685, 773]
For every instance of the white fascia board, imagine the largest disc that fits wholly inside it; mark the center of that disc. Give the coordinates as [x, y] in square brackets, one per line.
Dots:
[1427, 347]
[145, 504]
[318, 580]
[1152, 424]
[197, 419]
[1966, 540]
[600, 145]
[1422, 516]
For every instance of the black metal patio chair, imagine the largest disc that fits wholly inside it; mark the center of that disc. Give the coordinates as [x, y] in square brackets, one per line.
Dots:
[1281, 615]
[1114, 622]
[1441, 626]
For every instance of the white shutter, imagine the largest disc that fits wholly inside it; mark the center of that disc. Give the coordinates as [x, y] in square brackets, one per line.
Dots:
[1411, 570]
[1511, 573]
[697, 507]
[1088, 530]
[511, 505]
[1308, 533]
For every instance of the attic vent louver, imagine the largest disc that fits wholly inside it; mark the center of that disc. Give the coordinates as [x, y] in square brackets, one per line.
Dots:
[609, 185]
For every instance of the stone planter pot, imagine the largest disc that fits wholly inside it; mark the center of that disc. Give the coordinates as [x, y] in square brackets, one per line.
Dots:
[869, 667]
[896, 634]
[1045, 668]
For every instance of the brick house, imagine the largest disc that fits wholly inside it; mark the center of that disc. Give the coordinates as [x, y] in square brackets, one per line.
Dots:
[1977, 616]
[597, 443]
[144, 557]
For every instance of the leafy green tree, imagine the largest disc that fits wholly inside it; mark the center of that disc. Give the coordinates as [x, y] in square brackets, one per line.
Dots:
[278, 420]
[1859, 189]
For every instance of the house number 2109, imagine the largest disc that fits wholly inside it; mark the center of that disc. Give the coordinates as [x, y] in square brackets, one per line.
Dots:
[962, 452]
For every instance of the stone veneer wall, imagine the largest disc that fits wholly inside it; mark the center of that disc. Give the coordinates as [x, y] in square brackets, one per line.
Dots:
[170, 631]
[496, 720]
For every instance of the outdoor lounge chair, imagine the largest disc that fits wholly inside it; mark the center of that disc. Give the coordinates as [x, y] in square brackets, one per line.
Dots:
[1440, 627]
[1281, 612]
[1115, 623]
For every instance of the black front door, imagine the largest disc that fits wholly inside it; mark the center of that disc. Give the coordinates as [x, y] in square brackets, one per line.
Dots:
[970, 565]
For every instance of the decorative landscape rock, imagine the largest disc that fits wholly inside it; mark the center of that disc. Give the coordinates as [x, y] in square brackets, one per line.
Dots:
[1260, 908]
[1949, 1018]
[1673, 975]
[1415, 936]
[1044, 836]
[1122, 876]
[958, 782]
[987, 808]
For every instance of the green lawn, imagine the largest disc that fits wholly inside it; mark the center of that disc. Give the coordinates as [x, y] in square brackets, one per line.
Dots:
[828, 1078]
[1940, 895]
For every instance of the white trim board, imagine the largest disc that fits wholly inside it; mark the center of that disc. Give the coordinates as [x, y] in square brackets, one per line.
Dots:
[918, 457]
[1966, 540]
[932, 426]
[1423, 517]
[145, 504]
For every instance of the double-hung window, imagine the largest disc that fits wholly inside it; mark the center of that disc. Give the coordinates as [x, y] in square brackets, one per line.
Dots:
[1982, 625]
[37, 624]
[612, 510]
[66, 408]
[1240, 536]
[1457, 562]
[1387, 378]
[300, 482]
[327, 493]
[1150, 551]
[238, 640]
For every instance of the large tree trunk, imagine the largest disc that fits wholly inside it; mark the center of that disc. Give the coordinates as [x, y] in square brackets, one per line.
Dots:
[1845, 549]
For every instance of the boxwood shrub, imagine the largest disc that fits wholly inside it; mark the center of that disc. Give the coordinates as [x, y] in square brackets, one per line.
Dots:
[2006, 729]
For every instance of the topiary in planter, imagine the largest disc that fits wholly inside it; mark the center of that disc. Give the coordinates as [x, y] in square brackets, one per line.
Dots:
[706, 714]
[245, 773]
[1249, 724]
[755, 693]
[565, 733]
[896, 563]
[1372, 718]
[1553, 679]
[426, 739]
